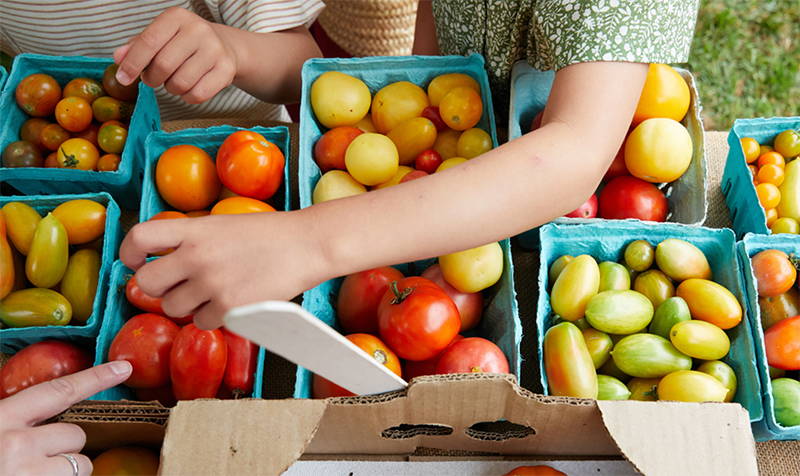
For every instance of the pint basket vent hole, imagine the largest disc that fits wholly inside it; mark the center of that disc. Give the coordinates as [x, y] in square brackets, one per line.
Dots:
[499, 430]
[401, 432]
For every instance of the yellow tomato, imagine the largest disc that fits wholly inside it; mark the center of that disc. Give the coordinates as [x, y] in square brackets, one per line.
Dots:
[371, 158]
[643, 389]
[691, 386]
[665, 94]
[768, 195]
[77, 154]
[451, 162]
[700, 340]
[402, 171]
[711, 302]
[240, 205]
[447, 143]
[473, 270]
[84, 220]
[658, 150]
[336, 184]
[412, 137]
[339, 99]
[473, 142]
[79, 284]
[771, 173]
[751, 149]
[366, 125]
[772, 216]
[461, 108]
[441, 85]
[396, 103]
[577, 283]
[785, 225]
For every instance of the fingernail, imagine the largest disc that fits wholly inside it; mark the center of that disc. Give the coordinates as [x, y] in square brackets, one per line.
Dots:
[121, 367]
[123, 77]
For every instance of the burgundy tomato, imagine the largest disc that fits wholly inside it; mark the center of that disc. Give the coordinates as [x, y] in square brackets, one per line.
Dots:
[470, 305]
[359, 297]
[241, 365]
[419, 368]
[145, 341]
[629, 197]
[417, 319]
[197, 363]
[587, 210]
[428, 161]
[413, 176]
[471, 355]
[617, 167]
[39, 363]
[432, 114]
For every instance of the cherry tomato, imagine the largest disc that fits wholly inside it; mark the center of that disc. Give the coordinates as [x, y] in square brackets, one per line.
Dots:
[771, 158]
[397, 103]
[330, 148]
[413, 176]
[568, 363]
[775, 274]
[411, 137]
[39, 363]
[74, 114]
[587, 210]
[782, 343]
[359, 297]
[473, 142]
[90, 134]
[617, 167]
[238, 205]
[770, 173]
[240, 368]
[145, 341]
[323, 388]
[470, 305]
[461, 108]
[138, 298]
[751, 149]
[115, 89]
[84, 220]
[769, 196]
[447, 144]
[538, 470]
[471, 355]
[31, 131]
[428, 161]
[417, 319]
[629, 197]
[85, 88]
[473, 270]
[52, 136]
[250, 166]
[711, 302]
[372, 159]
[777, 308]
[111, 137]
[443, 84]
[772, 216]
[38, 95]
[7, 268]
[787, 143]
[108, 163]
[335, 184]
[48, 254]
[412, 368]
[126, 460]
[22, 154]
[186, 178]
[78, 154]
[339, 99]
[431, 113]
[197, 363]
[402, 171]
[107, 108]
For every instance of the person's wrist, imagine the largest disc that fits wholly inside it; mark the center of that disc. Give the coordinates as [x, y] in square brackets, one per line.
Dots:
[330, 250]
[230, 38]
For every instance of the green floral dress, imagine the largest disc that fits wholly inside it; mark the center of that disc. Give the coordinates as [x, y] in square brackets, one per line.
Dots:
[552, 34]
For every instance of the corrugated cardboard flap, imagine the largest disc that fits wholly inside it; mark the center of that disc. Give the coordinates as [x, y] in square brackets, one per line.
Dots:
[670, 438]
[238, 436]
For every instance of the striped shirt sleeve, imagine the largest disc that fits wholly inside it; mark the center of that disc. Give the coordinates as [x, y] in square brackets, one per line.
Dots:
[266, 16]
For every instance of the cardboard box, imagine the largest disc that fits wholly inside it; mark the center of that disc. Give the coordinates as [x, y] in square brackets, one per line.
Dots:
[477, 413]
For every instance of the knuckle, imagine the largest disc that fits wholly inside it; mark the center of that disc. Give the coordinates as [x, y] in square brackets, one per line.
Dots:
[136, 235]
[178, 85]
[15, 442]
[63, 387]
[176, 12]
[150, 39]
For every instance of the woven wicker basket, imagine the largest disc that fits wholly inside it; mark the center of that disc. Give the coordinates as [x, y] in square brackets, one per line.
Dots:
[371, 27]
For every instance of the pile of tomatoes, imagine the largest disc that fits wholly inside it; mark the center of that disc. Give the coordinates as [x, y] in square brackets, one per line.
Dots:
[43, 282]
[41, 362]
[419, 318]
[646, 336]
[248, 171]
[657, 150]
[126, 460]
[779, 303]
[174, 360]
[776, 176]
[409, 134]
[70, 127]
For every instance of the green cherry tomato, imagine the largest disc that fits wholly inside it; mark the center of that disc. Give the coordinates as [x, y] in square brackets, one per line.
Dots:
[643, 389]
[619, 312]
[722, 372]
[609, 388]
[599, 345]
[785, 225]
[649, 356]
[47, 259]
[79, 284]
[112, 137]
[682, 260]
[35, 307]
[669, 313]
[786, 395]
[655, 286]
[639, 255]
[614, 277]
[787, 143]
[557, 267]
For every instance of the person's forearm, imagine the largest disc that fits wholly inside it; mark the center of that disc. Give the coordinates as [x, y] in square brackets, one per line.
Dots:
[425, 42]
[269, 64]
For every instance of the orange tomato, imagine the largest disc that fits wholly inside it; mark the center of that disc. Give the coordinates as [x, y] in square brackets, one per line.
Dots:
[375, 348]
[771, 173]
[665, 94]
[126, 460]
[250, 165]
[330, 148]
[751, 149]
[186, 178]
[52, 136]
[768, 195]
[240, 205]
[74, 114]
[84, 220]
[441, 85]
[51, 161]
[539, 470]
[84, 88]
[38, 95]
[108, 163]
[225, 192]
[461, 108]
[772, 215]
[771, 157]
[775, 274]
[77, 154]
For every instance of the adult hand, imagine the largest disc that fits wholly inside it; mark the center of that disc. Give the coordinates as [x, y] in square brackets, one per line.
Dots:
[26, 448]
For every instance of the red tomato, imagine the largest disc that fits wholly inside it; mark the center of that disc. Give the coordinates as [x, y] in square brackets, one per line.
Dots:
[330, 148]
[470, 305]
[472, 355]
[39, 363]
[775, 274]
[140, 300]
[617, 167]
[417, 319]
[782, 343]
[145, 341]
[38, 95]
[419, 368]
[250, 165]
[413, 176]
[539, 470]
[428, 161]
[241, 366]
[587, 210]
[359, 297]
[629, 197]
[323, 388]
[431, 113]
[197, 363]
[537, 120]
[162, 395]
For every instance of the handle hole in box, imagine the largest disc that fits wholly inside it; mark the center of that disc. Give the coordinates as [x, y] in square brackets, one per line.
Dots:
[499, 430]
[404, 431]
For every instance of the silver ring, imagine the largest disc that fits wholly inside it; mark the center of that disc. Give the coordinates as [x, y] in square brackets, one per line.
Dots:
[73, 462]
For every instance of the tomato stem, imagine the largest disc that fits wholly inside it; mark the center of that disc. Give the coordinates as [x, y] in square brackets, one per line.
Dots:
[69, 160]
[399, 297]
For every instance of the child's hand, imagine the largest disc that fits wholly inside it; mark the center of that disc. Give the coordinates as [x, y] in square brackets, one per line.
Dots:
[190, 56]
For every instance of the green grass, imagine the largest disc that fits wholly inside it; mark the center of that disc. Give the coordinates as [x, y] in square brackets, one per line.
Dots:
[746, 57]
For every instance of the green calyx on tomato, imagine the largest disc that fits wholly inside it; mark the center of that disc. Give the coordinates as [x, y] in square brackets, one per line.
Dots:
[399, 297]
[70, 160]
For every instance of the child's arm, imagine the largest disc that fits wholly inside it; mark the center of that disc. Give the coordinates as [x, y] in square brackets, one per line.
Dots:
[221, 262]
[195, 59]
